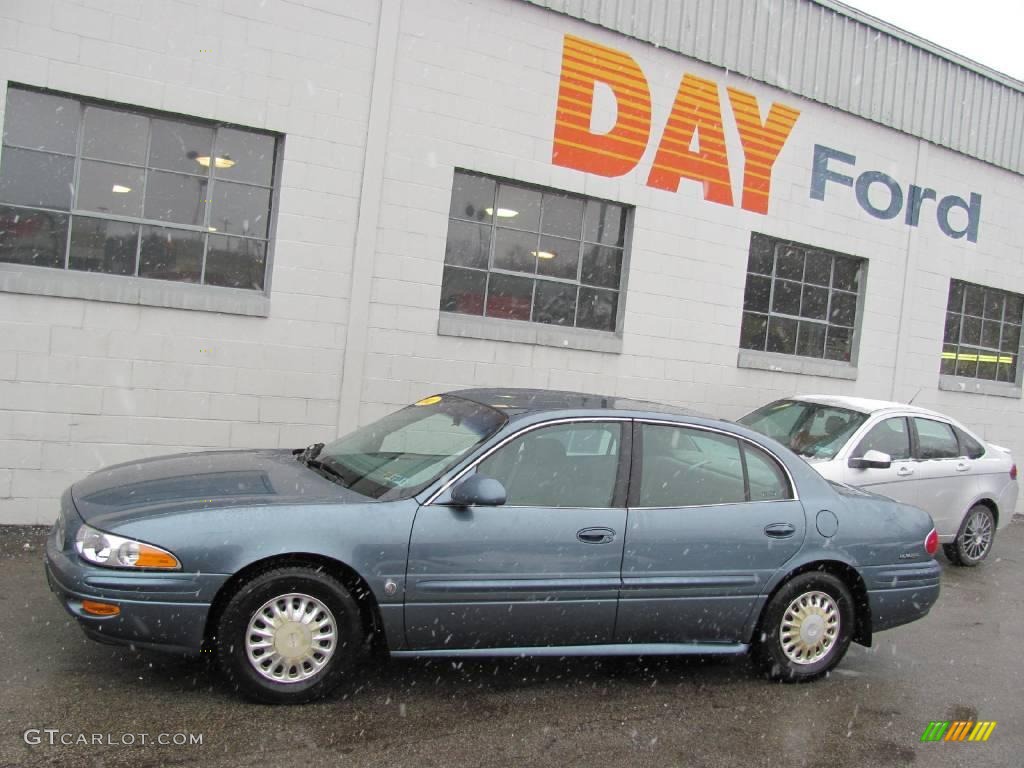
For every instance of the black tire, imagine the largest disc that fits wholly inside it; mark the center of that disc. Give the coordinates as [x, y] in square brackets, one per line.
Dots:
[964, 551]
[234, 622]
[769, 650]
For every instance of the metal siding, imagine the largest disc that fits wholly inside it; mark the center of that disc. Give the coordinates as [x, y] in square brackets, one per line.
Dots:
[825, 51]
[1001, 113]
[1015, 128]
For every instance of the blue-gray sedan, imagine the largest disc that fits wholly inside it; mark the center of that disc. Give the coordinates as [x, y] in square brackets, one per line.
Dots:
[490, 522]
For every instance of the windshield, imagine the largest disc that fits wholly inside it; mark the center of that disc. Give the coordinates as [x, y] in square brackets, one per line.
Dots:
[399, 455]
[813, 430]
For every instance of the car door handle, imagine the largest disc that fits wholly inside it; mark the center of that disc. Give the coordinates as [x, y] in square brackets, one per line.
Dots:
[779, 530]
[596, 535]
[904, 471]
[962, 466]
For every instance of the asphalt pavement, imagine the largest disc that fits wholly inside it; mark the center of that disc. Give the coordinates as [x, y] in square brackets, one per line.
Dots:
[962, 662]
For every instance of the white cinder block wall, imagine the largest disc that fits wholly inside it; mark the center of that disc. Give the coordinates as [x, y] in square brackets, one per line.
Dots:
[83, 384]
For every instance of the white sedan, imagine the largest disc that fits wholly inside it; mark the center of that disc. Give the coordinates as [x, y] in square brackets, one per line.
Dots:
[907, 453]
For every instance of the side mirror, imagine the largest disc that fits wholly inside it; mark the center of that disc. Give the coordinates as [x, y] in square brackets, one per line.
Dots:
[872, 460]
[479, 491]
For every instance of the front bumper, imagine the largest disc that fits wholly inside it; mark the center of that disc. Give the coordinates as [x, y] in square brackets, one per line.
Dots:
[160, 610]
[900, 594]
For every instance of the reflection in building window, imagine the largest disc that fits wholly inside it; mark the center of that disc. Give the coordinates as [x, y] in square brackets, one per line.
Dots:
[101, 188]
[800, 300]
[519, 252]
[982, 335]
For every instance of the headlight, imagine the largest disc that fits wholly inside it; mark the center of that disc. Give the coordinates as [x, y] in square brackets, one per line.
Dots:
[107, 549]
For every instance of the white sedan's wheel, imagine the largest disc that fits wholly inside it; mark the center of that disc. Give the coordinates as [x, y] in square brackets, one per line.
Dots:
[978, 534]
[974, 540]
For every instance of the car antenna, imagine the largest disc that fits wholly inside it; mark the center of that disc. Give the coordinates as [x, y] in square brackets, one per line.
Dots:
[915, 396]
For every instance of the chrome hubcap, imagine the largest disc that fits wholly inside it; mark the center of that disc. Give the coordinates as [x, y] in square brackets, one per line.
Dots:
[809, 627]
[290, 638]
[977, 536]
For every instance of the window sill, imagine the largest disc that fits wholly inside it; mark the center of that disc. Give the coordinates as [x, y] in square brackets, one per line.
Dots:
[978, 386]
[807, 366]
[41, 281]
[521, 332]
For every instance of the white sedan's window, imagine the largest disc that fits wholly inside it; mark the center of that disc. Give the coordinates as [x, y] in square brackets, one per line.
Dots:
[935, 440]
[969, 446]
[890, 436]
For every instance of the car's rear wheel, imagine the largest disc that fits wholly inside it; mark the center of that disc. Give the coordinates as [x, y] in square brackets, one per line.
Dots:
[806, 628]
[974, 540]
[289, 635]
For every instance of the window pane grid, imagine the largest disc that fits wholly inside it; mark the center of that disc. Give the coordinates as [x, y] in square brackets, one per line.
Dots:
[982, 333]
[94, 218]
[532, 234]
[26, 148]
[798, 302]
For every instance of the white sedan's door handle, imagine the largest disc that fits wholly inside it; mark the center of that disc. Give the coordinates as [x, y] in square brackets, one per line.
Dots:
[962, 466]
[904, 471]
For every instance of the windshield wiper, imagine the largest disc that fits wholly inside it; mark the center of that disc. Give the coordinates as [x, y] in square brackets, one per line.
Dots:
[328, 470]
[308, 456]
[310, 452]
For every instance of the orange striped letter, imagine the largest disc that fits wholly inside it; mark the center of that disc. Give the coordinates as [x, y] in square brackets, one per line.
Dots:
[610, 154]
[696, 111]
[761, 145]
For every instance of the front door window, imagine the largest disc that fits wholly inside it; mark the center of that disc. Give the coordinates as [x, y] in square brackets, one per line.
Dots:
[890, 437]
[566, 465]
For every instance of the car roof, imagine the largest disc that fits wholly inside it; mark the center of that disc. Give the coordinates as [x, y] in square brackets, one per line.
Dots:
[867, 405]
[516, 402]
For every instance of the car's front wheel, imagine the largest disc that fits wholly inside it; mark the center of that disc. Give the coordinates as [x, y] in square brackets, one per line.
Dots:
[806, 628]
[974, 540]
[288, 635]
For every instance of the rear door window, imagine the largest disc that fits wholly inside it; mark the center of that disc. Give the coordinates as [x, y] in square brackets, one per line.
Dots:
[890, 436]
[684, 467]
[935, 440]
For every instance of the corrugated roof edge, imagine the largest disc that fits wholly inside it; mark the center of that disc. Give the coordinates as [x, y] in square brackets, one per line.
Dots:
[923, 43]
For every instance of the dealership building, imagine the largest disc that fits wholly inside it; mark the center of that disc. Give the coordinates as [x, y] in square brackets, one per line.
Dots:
[230, 224]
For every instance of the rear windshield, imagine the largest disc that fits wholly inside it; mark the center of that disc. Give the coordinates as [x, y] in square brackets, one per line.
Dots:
[813, 430]
[399, 455]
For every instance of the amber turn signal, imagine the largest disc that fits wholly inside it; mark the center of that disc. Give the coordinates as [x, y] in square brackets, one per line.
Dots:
[151, 557]
[100, 609]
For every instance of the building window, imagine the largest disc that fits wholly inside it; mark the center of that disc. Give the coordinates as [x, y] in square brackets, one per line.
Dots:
[97, 187]
[982, 338]
[800, 300]
[519, 252]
